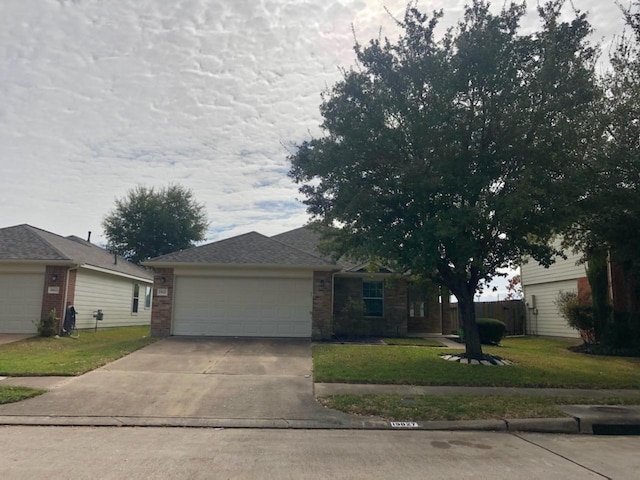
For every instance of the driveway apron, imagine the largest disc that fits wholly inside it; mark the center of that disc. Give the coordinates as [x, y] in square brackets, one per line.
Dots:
[225, 378]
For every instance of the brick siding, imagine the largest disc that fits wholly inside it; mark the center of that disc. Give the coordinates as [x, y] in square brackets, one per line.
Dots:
[162, 306]
[322, 310]
[55, 301]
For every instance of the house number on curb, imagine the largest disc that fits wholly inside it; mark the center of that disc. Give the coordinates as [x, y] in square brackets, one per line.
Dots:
[404, 424]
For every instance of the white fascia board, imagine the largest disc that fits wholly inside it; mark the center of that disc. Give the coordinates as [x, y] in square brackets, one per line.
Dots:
[118, 274]
[368, 275]
[239, 266]
[61, 263]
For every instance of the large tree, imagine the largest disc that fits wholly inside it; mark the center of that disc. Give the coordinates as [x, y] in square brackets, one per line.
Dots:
[149, 222]
[451, 158]
[607, 222]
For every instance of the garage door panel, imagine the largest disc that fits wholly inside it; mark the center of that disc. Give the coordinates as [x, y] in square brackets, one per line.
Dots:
[243, 306]
[20, 302]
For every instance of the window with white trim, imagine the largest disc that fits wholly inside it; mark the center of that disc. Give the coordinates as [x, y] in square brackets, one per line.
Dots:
[136, 298]
[373, 297]
[147, 297]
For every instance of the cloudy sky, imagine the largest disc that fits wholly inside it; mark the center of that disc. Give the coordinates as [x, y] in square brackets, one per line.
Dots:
[99, 96]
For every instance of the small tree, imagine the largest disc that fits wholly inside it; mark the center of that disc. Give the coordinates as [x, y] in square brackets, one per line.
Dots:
[514, 288]
[48, 326]
[148, 223]
[452, 159]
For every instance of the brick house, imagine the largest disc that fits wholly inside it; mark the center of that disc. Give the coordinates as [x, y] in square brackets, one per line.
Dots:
[281, 286]
[41, 271]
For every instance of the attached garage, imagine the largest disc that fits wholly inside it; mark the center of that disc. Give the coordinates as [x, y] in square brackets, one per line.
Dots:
[267, 306]
[244, 286]
[21, 300]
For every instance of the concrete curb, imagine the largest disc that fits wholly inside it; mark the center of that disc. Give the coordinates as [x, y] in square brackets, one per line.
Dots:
[538, 425]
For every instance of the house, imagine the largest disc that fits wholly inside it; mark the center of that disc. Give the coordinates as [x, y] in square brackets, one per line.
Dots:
[280, 286]
[541, 287]
[40, 271]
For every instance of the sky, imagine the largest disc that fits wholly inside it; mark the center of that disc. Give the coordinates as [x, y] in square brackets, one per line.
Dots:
[99, 96]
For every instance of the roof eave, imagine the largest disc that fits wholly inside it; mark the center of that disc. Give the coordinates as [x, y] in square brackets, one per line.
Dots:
[326, 267]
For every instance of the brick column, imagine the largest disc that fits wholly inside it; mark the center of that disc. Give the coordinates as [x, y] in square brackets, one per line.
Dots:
[162, 305]
[53, 294]
[322, 313]
[396, 307]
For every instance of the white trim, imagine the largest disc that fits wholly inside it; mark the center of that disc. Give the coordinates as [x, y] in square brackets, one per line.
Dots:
[243, 272]
[114, 272]
[238, 266]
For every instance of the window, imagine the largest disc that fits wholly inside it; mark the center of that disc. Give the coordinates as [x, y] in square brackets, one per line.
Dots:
[373, 297]
[136, 298]
[147, 297]
[418, 309]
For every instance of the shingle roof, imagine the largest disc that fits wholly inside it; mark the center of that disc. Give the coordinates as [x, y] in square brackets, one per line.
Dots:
[307, 239]
[24, 242]
[249, 249]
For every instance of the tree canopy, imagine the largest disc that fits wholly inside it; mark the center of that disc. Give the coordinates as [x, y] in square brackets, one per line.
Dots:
[451, 157]
[608, 215]
[147, 222]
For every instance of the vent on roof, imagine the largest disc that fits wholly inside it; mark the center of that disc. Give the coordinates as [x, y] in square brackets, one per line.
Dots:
[115, 258]
[89, 236]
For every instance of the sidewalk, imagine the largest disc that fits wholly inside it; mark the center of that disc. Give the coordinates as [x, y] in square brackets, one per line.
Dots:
[586, 419]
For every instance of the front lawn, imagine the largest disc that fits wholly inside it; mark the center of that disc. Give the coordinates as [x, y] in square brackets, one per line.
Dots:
[540, 363]
[71, 356]
[461, 407]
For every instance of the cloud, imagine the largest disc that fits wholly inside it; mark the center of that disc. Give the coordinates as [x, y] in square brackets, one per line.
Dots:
[97, 97]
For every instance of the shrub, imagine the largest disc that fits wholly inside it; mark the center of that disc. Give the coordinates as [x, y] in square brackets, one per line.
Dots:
[491, 330]
[577, 315]
[48, 326]
[350, 321]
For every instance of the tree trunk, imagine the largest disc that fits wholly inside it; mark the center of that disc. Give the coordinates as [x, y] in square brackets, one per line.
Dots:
[470, 328]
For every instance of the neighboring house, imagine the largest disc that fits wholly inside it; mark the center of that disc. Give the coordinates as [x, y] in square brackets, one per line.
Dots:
[281, 286]
[541, 287]
[40, 271]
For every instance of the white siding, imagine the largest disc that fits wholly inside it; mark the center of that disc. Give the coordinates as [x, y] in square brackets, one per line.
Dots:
[113, 295]
[541, 287]
[534, 273]
[20, 301]
[243, 306]
[542, 314]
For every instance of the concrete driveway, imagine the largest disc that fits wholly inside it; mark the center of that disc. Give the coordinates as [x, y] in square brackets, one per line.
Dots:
[192, 377]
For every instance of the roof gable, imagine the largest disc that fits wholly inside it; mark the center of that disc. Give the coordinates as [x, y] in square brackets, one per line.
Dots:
[308, 240]
[249, 249]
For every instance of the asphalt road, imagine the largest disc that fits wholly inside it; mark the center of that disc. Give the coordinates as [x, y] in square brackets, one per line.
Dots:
[142, 453]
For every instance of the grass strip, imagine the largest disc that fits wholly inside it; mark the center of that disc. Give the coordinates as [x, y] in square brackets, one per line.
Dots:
[460, 407]
[10, 394]
[66, 356]
[416, 342]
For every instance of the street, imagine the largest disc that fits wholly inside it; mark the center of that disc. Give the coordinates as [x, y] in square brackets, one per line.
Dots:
[114, 453]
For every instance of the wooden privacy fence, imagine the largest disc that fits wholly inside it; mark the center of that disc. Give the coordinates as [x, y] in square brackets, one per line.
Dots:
[511, 312]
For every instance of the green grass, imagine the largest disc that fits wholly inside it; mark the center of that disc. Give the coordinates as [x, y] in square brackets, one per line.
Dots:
[417, 342]
[540, 363]
[10, 394]
[461, 407]
[70, 356]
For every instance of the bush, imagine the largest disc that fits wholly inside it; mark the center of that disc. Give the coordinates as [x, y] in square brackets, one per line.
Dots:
[48, 326]
[577, 315]
[491, 330]
[350, 321]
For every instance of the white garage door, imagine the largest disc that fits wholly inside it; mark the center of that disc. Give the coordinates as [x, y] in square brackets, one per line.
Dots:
[243, 307]
[20, 301]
